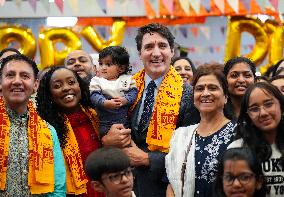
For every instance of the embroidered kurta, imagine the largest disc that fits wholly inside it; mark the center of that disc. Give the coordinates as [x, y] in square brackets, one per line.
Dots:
[17, 172]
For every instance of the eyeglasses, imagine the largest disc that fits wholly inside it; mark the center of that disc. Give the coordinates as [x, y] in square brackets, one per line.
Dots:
[254, 111]
[116, 178]
[243, 178]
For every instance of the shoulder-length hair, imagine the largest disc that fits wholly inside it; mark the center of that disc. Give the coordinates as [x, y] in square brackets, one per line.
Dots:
[253, 137]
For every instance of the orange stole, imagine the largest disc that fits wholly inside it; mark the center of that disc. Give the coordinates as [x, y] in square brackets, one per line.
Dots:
[166, 109]
[41, 160]
[76, 178]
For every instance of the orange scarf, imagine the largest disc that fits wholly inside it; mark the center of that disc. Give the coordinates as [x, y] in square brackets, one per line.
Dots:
[76, 178]
[166, 109]
[41, 160]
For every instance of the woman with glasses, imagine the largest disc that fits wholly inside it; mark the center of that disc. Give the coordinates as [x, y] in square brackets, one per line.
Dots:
[240, 74]
[239, 174]
[192, 161]
[261, 128]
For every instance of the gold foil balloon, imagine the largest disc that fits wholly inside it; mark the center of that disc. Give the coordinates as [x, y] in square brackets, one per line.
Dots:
[48, 39]
[277, 44]
[22, 35]
[270, 28]
[234, 30]
[92, 36]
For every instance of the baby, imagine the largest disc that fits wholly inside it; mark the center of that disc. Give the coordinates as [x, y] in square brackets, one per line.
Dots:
[113, 91]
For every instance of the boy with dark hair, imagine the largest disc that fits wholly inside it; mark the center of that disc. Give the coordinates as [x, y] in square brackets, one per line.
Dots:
[110, 172]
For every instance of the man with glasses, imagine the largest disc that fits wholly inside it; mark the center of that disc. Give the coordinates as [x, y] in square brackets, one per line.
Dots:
[110, 172]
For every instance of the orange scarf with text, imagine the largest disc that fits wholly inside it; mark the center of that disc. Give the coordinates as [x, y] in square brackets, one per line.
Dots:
[76, 178]
[166, 109]
[41, 160]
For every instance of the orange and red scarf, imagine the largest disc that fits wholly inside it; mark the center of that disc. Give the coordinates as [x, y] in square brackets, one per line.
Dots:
[166, 109]
[76, 178]
[41, 159]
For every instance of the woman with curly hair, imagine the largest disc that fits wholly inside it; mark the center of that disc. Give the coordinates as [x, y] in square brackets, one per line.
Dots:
[261, 128]
[63, 100]
[240, 74]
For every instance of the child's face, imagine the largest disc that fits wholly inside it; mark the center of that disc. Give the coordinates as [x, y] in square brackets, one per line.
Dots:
[239, 180]
[118, 184]
[108, 70]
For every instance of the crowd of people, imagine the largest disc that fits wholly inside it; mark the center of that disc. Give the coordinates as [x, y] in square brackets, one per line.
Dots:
[171, 129]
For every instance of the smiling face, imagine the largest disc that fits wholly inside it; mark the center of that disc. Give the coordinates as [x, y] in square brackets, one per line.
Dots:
[156, 55]
[208, 95]
[264, 110]
[65, 90]
[18, 83]
[80, 62]
[108, 70]
[239, 78]
[183, 67]
[239, 168]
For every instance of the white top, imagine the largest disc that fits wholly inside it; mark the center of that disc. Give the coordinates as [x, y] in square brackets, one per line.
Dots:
[273, 171]
[174, 159]
[115, 88]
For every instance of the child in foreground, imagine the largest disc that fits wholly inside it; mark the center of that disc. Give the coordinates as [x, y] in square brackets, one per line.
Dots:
[110, 172]
[240, 174]
[113, 91]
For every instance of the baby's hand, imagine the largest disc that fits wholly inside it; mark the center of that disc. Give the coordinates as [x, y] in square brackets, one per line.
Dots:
[123, 100]
[112, 104]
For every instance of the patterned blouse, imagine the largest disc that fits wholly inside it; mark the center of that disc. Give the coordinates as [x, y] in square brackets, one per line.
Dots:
[208, 150]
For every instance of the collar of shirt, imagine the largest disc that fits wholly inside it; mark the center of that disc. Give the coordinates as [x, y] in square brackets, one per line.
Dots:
[14, 115]
[158, 81]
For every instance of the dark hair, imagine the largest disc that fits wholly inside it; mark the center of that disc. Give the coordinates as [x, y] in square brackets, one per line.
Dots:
[105, 160]
[211, 69]
[269, 72]
[49, 110]
[188, 60]
[279, 71]
[119, 56]
[229, 64]
[253, 137]
[276, 78]
[9, 50]
[19, 57]
[258, 78]
[275, 67]
[236, 154]
[154, 28]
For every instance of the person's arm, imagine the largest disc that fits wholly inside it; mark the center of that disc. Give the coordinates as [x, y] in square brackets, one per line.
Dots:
[117, 136]
[170, 191]
[59, 167]
[188, 114]
[97, 98]
[131, 95]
